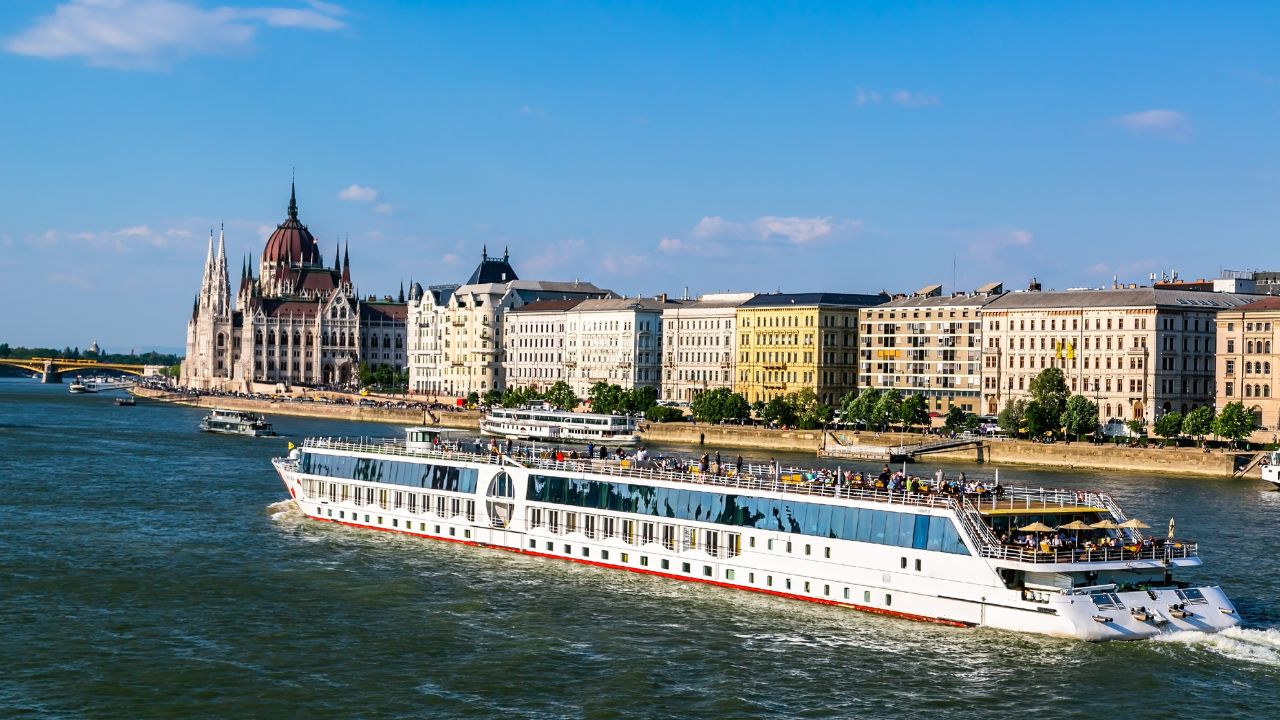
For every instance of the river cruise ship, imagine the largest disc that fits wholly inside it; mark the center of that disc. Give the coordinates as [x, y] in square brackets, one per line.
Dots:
[236, 422]
[560, 426]
[926, 556]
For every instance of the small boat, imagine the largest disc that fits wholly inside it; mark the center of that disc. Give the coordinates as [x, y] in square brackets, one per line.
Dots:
[237, 422]
[126, 401]
[78, 388]
[1271, 469]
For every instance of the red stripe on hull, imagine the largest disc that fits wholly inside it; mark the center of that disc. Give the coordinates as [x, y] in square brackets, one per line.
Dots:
[646, 571]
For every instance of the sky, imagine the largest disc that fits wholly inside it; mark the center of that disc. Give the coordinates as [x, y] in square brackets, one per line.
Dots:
[645, 147]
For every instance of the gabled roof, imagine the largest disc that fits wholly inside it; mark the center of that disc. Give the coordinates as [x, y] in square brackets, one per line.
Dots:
[1269, 303]
[546, 306]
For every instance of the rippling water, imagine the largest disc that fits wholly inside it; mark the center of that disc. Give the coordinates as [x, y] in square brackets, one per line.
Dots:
[149, 570]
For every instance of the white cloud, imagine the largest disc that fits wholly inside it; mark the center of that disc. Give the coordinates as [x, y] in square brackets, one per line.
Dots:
[1172, 124]
[796, 230]
[153, 34]
[867, 97]
[384, 209]
[532, 111]
[715, 225]
[358, 193]
[1020, 237]
[670, 245]
[71, 279]
[555, 258]
[450, 258]
[624, 264]
[907, 98]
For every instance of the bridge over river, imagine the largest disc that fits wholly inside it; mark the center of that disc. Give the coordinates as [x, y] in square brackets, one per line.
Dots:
[51, 370]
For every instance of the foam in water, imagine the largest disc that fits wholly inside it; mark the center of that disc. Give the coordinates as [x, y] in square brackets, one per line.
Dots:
[1260, 646]
[283, 510]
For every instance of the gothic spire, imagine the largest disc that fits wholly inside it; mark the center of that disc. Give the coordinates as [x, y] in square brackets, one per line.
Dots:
[401, 291]
[346, 264]
[337, 257]
[484, 252]
[506, 252]
[293, 201]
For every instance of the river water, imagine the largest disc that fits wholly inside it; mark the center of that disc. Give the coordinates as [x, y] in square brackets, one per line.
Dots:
[150, 570]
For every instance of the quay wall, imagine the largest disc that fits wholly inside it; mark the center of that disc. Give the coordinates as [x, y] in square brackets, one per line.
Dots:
[468, 420]
[1172, 461]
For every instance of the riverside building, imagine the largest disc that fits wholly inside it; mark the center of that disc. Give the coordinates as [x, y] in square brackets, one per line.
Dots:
[1247, 364]
[698, 349]
[1135, 351]
[615, 340]
[928, 344]
[456, 332]
[297, 321]
[790, 341]
[533, 352]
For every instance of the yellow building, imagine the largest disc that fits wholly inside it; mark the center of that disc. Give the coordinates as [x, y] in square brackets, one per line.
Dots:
[790, 341]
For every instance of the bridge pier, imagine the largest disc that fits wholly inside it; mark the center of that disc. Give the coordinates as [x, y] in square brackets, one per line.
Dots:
[50, 375]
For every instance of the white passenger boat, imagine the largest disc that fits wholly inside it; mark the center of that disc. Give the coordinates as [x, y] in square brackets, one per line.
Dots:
[560, 426]
[100, 383]
[1271, 469]
[236, 422]
[932, 557]
[78, 388]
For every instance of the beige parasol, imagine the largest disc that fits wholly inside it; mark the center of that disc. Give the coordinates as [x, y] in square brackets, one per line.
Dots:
[1135, 524]
[1037, 527]
[1076, 525]
[1105, 525]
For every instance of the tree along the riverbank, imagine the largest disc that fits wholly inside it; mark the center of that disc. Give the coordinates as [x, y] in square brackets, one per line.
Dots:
[719, 405]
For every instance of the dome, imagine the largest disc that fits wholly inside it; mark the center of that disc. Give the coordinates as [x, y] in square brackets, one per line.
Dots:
[292, 242]
[415, 292]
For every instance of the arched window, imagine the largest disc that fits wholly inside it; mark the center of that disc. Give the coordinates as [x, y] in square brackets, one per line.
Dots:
[1266, 391]
[271, 337]
[1266, 368]
[297, 338]
[222, 339]
[257, 337]
[1248, 368]
[1268, 348]
[1248, 391]
[1249, 346]
[386, 341]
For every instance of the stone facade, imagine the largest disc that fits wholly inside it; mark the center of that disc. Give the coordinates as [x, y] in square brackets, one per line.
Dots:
[790, 341]
[617, 341]
[1135, 351]
[1248, 364]
[296, 322]
[698, 345]
[534, 344]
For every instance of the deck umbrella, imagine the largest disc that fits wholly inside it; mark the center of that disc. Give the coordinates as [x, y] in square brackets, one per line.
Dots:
[1105, 525]
[1135, 524]
[1037, 528]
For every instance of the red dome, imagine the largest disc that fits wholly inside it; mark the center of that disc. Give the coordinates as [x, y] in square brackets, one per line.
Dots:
[292, 242]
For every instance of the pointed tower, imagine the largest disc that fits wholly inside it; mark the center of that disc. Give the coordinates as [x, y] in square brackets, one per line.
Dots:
[346, 264]
[206, 278]
[220, 285]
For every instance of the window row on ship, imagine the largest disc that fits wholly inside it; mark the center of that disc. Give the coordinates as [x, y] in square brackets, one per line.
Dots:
[443, 506]
[391, 472]
[784, 515]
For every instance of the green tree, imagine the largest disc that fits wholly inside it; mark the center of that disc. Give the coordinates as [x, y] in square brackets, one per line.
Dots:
[560, 395]
[1137, 428]
[659, 413]
[956, 419]
[858, 408]
[473, 398]
[364, 375]
[779, 411]
[1039, 419]
[1234, 422]
[493, 397]
[808, 412]
[888, 408]
[718, 405]
[1080, 416]
[1049, 389]
[5, 350]
[638, 400]
[1011, 417]
[914, 411]
[1198, 423]
[605, 398]
[1169, 425]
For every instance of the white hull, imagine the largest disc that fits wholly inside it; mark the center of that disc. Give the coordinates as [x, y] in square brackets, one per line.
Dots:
[1271, 473]
[954, 589]
[548, 434]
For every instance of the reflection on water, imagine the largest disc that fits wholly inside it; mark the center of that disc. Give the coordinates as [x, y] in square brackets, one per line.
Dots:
[164, 571]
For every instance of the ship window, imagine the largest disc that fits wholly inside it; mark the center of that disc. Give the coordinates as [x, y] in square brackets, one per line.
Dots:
[706, 570]
[550, 546]
[751, 578]
[806, 586]
[644, 560]
[918, 564]
[626, 557]
[888, 599]
[684, 567]
[666, 564]
[728, 574]
[568, 550]
[768, 580]
[586, 552]
[846, 593]
[604, 554]
[904, 563]
[866, 596]
[827, 552]
[533, 544]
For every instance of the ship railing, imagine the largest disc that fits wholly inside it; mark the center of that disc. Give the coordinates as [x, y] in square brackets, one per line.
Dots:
[1168, 550]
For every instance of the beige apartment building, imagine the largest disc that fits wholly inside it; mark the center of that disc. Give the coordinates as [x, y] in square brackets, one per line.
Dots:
[1247, 359]
[1136, 351]
[928, 344]
[534, 343]
[697, 347]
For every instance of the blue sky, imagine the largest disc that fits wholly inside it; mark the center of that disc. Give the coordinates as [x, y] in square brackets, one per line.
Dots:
[645, 147]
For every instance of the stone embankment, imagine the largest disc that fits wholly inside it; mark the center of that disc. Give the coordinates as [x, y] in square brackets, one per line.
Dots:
[1172, 461]
[467, 420]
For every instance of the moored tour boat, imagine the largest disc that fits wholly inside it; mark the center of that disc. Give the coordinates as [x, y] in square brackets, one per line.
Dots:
[78, 388]
[237, 422]
[547, 425]
[126, 401]
[921, 555]
[1271, 469]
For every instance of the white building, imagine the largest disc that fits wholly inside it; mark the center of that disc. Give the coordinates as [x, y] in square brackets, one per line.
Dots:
[456, 332]
[533, 346]
[697, 352]
[618, 341]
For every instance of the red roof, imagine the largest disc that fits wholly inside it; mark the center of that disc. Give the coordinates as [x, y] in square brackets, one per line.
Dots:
[1269, 303]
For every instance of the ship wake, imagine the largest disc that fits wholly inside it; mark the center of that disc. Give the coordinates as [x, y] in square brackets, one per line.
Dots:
[1252, 645]
[285, 512]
